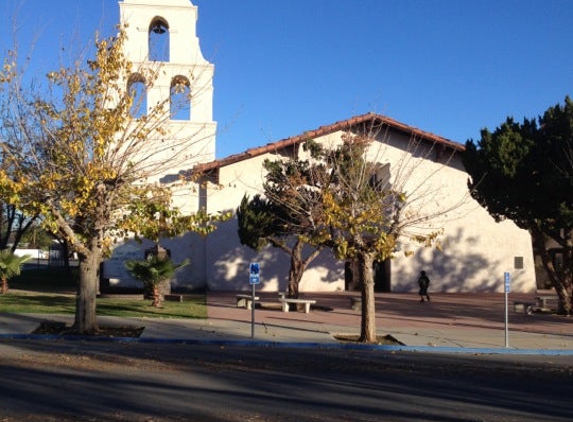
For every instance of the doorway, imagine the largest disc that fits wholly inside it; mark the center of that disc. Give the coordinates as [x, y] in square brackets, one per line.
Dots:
[380, 272]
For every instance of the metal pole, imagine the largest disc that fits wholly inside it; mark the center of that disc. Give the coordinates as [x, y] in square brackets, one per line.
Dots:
[253, 313]
[506, 322]
[507, 288]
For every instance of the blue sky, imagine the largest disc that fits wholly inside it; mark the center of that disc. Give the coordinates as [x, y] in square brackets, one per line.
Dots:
[450, 67]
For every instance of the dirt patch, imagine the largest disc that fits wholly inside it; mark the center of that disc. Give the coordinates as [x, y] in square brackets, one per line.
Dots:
[61, 329]
[385, 340]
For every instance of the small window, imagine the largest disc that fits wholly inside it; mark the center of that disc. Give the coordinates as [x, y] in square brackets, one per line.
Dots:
[380, 177]
[180, 99]
[558, 261]
[518, 262]
[159, 40]
[138, 92]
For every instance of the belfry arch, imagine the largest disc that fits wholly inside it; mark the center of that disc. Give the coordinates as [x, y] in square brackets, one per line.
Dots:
[180, 98]
[138, 92]
[158, 44]
[162, 39]
[166, 59]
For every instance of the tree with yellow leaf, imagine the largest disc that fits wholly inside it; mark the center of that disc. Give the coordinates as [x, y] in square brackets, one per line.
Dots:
[80, 159]
[367, 213]
[362, 219]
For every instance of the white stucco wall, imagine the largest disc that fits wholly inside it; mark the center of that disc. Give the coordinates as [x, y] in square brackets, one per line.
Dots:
[474, 250]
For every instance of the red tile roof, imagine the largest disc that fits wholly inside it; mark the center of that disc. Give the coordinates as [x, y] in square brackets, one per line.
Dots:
[375, 119]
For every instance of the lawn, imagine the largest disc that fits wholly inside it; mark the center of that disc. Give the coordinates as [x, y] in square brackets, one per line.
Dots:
[52, 291]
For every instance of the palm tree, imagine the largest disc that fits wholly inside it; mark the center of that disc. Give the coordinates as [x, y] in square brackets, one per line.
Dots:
[152, 272]
[10, 266]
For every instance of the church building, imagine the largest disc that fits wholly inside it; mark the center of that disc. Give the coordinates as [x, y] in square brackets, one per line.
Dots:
[474, 251]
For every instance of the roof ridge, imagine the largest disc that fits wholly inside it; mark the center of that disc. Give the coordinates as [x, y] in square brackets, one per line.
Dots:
[321, 130]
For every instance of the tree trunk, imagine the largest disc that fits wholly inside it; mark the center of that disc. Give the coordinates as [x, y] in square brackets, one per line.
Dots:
[368, 322]
[568, 273]
[4, 288]
[156, 296]
[294, 277]
[66, 255]
[163, 288]
[565, 286]
[562, 283]
[86, 320]
[296, 270]
[298, 266]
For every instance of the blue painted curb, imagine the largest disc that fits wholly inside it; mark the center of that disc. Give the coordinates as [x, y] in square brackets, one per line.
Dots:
[294, 345]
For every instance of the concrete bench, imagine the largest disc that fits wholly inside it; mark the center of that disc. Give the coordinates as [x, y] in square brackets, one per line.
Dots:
[285, 301]
[356, 303]
[524, 307]
[245, 301]
[542, 300]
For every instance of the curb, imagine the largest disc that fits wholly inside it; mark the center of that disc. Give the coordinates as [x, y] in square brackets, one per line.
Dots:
[294, 345]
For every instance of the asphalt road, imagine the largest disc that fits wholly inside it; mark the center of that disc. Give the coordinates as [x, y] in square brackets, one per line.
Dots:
[98, 381]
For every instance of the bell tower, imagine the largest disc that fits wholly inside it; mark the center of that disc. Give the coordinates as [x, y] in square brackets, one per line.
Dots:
[175, 98]
[161, 37]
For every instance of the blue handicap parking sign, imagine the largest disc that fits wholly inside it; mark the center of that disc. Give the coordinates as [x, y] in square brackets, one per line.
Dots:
[255, 273]
[255, 268]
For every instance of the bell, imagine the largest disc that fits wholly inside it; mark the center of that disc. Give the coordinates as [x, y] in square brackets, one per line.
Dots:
[157, 28]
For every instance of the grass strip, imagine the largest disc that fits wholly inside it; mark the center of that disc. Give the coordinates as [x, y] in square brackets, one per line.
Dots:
[16, 301]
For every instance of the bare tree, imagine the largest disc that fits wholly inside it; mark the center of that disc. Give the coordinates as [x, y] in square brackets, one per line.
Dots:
[376, 198]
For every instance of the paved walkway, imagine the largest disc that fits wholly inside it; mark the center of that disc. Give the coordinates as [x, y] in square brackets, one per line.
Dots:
[450, 322]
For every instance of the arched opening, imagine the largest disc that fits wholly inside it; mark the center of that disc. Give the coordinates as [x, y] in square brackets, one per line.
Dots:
[180, 98]
[137, 91]
[159, 40]
[381, 271]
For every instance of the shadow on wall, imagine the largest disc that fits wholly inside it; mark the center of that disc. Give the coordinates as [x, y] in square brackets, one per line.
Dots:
[228, 265]
[188, 246]
[331, 270]
[452, 272]
[472, 271]
[114, 273]
[230, 270]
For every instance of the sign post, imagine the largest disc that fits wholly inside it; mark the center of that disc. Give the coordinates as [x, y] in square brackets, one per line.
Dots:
[254, 279]
[507, 282]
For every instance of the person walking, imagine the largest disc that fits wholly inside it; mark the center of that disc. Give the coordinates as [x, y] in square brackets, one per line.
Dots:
[424, 283]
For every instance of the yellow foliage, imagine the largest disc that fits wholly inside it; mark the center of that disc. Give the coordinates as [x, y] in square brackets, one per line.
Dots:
[85, 172]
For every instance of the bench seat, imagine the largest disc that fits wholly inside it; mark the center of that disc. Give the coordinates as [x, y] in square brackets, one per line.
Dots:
[245, 301]
[542, 300]
[285, 301]
[524, 307]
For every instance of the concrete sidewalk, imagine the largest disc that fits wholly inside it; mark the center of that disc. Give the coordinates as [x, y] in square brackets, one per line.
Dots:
[450, 322]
